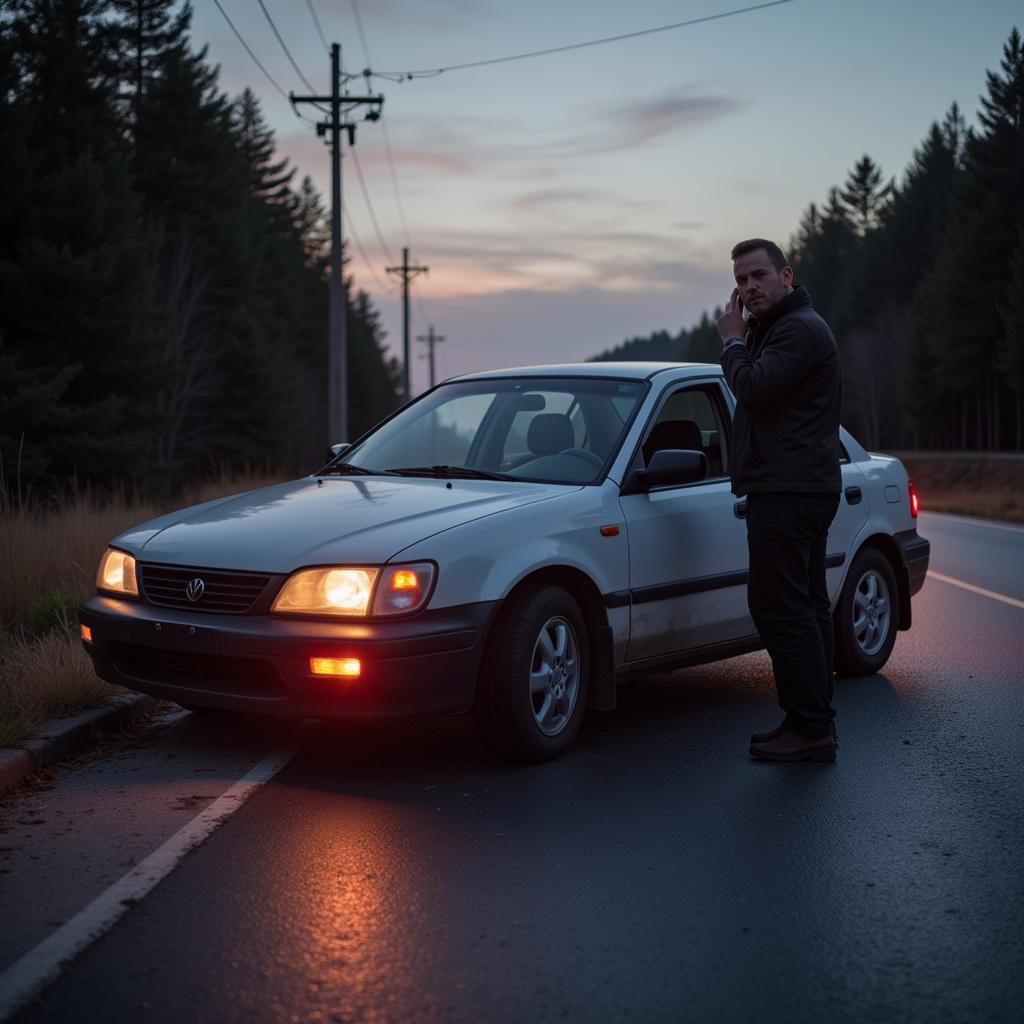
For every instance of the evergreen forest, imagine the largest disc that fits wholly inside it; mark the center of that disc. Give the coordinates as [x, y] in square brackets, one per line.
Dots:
[163, 277]
[922, 282]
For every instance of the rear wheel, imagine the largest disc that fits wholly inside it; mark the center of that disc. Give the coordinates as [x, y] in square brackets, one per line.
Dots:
[867, 615]
[532, 691]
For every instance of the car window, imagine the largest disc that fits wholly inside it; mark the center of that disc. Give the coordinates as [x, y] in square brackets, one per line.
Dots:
[561, 403]
[561, 430]
[690, 420]
[439, 435]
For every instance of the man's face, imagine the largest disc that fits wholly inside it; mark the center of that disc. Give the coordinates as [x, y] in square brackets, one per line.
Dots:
[760, 285]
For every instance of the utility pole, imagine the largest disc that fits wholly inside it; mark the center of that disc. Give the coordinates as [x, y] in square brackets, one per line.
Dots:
[407, 273]
[431, 340]
[337, 347]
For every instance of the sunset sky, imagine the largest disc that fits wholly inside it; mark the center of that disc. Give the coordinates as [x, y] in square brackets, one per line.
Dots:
[566, 202]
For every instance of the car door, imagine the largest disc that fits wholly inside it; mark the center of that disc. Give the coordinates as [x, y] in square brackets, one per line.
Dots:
[852, 514]
[687, 546]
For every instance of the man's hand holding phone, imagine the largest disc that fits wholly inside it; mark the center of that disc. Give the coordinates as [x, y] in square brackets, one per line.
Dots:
[731, 323]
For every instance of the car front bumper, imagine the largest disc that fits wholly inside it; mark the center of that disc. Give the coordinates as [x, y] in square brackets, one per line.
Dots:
[261, 664]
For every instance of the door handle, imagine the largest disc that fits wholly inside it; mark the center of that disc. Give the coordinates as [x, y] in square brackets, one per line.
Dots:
[739, 509]
[852, 495]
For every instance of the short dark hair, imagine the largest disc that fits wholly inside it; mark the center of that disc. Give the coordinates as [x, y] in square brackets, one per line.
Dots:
[775, 254]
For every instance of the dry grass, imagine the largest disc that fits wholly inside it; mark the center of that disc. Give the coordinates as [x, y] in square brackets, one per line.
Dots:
[48, 561]
[986, 486]
[50, 549]
[43, 678]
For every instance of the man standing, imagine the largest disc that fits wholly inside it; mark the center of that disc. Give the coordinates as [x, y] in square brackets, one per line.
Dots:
[783, 367]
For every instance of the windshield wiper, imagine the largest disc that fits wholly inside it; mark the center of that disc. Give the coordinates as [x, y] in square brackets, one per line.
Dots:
[464, 472]
[352, 470]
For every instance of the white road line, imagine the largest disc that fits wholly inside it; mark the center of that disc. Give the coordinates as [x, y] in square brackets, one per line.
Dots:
[976, 590]
[972, 521]
[42, 965]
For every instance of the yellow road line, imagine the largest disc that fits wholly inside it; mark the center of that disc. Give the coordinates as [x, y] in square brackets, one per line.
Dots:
[976, 590]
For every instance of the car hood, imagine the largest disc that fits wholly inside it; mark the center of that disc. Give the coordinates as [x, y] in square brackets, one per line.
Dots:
[357, 520]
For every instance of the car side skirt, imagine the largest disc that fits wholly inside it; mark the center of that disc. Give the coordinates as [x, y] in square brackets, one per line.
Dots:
[694, 656]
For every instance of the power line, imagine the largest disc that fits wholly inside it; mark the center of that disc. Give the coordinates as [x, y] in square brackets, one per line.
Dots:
[394, 180]
[362, 33]
[384, 126]
[423, 308]
[287, 52]
[433, 72]
[383, 285]
[256, 60]
[369, 205]
[316, 21]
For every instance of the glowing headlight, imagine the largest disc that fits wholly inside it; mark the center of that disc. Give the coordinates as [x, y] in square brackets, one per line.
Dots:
[403, 588]
[117, 573]
[327, 591]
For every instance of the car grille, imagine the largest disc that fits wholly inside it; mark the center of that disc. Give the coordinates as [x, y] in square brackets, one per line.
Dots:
[249, 676]
[231, 593]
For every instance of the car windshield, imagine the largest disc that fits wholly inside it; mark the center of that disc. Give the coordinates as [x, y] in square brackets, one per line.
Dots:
[556, 430]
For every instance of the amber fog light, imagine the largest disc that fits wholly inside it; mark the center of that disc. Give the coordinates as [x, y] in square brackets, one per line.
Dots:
[348, 667]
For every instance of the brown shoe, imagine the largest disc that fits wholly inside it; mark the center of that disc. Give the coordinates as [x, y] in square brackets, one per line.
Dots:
[764, 737]
[791, 746]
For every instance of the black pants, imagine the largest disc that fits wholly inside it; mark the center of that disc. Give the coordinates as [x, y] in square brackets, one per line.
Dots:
[788, 600]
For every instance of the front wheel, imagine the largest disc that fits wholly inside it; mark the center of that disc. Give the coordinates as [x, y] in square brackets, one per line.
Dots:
[867, 615]
[532, 691]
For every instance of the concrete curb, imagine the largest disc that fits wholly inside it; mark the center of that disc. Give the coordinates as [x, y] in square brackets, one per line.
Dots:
[63, 737]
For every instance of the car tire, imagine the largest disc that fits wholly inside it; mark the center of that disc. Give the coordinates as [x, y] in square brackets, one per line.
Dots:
[866, 618]
[534, 681]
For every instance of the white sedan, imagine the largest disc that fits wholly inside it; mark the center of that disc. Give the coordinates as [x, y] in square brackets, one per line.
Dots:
[512, 543]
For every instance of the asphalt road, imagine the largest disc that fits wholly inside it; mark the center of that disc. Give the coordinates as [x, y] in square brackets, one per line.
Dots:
[397, 873]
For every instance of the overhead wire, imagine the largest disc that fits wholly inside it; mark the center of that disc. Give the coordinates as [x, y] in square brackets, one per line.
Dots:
[362, 252]
[369, 205]
[399, 76]
[390, 154]
[259, 64]
[316, 21]
[361, 30]
[270, 21]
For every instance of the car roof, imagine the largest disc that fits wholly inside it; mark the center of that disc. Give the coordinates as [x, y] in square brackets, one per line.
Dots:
[629, 371]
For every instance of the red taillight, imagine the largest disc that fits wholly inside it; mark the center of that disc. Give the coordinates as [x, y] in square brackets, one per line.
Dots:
[915, 503]
[348, 667]
[87, 634]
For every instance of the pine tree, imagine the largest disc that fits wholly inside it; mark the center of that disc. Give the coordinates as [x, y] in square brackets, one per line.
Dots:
[821, 251]
[1011, 352]
[145, 31]
[269, 179]
[973, 274]
[310, 220]
[704, 344]
[73, 262]
[864, 194]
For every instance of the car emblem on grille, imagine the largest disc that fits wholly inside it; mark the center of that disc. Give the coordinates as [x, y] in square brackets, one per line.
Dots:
[194, 589]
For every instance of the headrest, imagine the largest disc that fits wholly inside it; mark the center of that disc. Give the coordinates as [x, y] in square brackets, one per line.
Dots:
[683, 435]
[549, 433]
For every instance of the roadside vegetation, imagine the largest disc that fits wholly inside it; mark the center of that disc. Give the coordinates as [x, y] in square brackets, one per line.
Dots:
[48, 559]
[969, 484]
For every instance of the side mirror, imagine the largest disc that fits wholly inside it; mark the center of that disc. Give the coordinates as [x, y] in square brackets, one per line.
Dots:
[334, 450]
[668, 467]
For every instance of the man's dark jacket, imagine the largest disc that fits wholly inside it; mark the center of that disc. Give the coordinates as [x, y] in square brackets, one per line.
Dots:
[786, 380]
